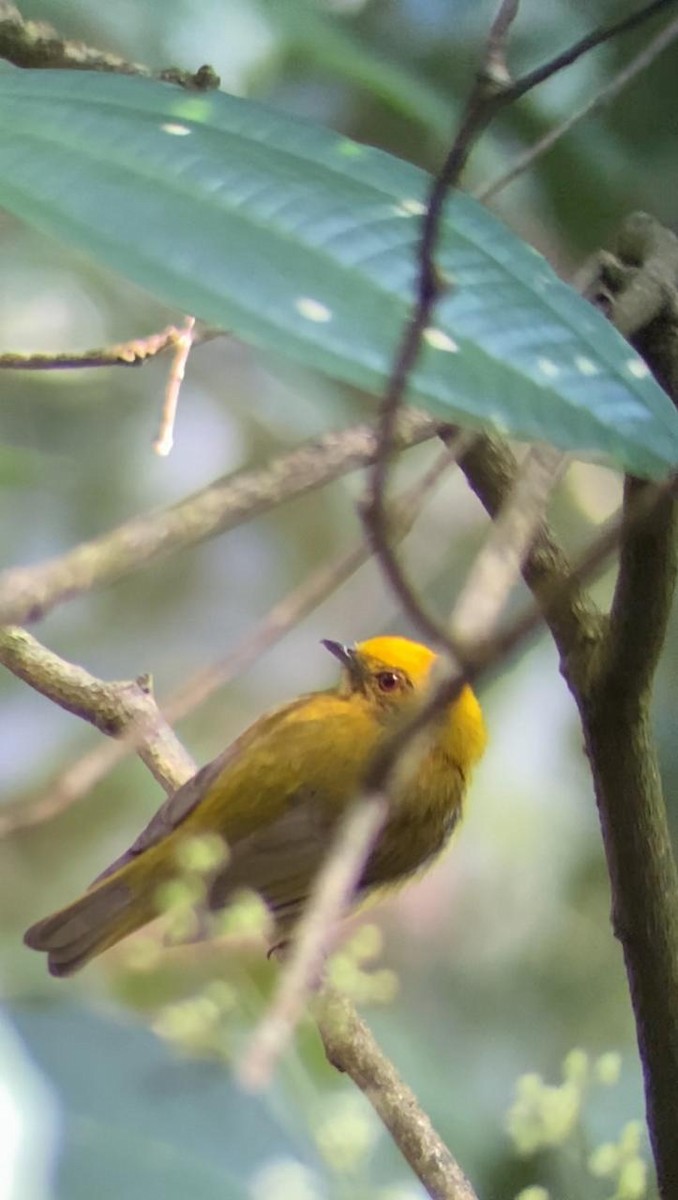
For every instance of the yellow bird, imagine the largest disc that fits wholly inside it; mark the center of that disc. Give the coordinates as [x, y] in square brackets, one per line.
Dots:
[275, 796]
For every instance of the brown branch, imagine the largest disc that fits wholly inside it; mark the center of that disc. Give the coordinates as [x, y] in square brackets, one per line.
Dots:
[575, 623]
[622, 750]
[351, 1047]
[644, 592]
[27, 593]
[110, 707]
[133, 353]
[37, 44]
[509, 542]
[609, 664]
[637, 286]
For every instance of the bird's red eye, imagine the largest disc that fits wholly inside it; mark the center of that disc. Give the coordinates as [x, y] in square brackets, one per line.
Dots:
[388, 681]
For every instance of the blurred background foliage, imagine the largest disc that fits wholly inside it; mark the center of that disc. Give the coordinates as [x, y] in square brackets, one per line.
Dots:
[502, 959]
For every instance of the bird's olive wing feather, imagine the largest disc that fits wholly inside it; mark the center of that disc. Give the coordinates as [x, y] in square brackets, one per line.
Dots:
[280, 860]
[185, 800]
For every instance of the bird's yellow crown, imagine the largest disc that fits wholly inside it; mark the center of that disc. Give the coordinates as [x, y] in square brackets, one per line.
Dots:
[399, 654]
[467, 734]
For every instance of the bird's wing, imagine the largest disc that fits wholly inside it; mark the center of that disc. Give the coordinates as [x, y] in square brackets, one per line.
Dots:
[279, 860]
[186, 799]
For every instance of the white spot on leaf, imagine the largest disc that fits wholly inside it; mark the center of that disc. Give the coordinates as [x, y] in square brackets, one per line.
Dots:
[548, 368]
[637, 368]
[312, 309]
[440, 340]
[175, 129]
[586, 366]
[410, 208]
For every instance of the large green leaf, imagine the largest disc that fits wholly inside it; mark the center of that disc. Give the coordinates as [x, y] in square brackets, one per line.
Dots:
[304, 242]
[138, 1121]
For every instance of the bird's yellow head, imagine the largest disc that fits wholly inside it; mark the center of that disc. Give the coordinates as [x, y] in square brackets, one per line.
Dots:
[390, 670]
[394, 672]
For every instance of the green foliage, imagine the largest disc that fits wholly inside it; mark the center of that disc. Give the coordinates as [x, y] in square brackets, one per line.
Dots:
[304, 243]
[546, 1117]
[622, 1163]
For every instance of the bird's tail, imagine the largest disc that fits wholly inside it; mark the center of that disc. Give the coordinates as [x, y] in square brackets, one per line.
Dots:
[109, 911]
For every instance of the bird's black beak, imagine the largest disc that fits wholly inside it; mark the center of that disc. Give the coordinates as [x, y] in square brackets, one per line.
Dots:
[350, 660]
[345, 654]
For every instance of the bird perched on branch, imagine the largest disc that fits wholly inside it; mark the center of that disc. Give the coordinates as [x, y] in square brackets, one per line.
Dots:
[276, 795]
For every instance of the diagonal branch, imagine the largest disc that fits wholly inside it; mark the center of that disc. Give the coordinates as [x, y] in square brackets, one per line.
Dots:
[575, 623]
[27, 593]
[37, 44]
[590, 41]
[110, 707]
[351, 1047]
[133, 353]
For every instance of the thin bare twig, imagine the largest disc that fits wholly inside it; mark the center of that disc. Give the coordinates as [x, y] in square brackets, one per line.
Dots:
[37, 44]
[494, 61]
[301, 974]
[27, 593]
[182, 348]
[602, 97]
[478, 111]
[590, 41]
[133, 353]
